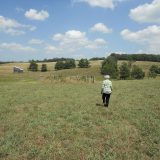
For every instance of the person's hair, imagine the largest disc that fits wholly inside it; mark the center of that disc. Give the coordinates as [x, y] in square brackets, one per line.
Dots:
[106, 76]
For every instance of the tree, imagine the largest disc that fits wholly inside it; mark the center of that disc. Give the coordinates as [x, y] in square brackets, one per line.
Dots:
[44, 68]
[124, 71]
[109, 66]
[69, 64]
[137, 72]
[83, 63]
[59, 65]
[33, 66]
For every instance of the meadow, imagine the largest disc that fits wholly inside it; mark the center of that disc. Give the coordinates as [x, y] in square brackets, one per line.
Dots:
[43, 120]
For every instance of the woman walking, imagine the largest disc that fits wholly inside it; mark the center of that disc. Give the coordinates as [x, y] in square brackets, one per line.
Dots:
[106, 90]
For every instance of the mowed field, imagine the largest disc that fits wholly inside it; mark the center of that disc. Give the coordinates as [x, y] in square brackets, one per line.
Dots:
[43, 120]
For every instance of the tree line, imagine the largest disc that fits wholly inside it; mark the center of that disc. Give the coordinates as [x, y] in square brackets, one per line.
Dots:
[54, 59]
[137, 57]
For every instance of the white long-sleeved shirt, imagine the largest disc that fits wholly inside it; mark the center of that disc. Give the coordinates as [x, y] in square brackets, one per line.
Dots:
[107, 86]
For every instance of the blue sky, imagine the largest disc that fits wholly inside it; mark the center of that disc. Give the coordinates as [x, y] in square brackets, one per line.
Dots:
[77, 28]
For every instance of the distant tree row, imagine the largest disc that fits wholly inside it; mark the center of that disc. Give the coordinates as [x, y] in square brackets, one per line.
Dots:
[66, 59]
[6, 62]
[54, 59]
[97, 58]
[137, 57]
[68, 64]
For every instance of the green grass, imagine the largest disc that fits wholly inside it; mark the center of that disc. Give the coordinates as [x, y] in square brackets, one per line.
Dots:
[61, 121]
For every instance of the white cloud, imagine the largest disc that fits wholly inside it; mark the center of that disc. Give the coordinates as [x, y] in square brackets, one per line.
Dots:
[100, 3]
[148, 37]
[71, 40]
[35, 15]
[50, 49]
[12, 27]
[58, 37]
[16, 47]
[100, 27]
[98, 43]
[74, 40]
[35, 41]
[149, 13]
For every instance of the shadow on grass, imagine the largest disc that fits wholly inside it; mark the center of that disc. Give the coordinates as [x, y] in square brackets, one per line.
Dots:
[99, 104]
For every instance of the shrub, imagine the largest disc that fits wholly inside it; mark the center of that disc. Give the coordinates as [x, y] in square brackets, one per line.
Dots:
[124, 71]
[33, 66]
[44, 68]
[137, 72]
[83, 63]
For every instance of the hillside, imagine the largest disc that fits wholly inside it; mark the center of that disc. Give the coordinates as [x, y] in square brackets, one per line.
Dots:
[6, 70]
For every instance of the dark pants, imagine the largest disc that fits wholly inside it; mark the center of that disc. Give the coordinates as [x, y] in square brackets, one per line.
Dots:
[106, 98]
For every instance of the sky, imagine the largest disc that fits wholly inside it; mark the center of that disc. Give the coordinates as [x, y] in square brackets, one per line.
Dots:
[39, 29]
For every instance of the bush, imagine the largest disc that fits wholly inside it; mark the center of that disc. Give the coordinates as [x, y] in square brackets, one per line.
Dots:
[83, 63]
[137, 72]
[124, 71]
[33, 66]
[109, 66]
[44, 68]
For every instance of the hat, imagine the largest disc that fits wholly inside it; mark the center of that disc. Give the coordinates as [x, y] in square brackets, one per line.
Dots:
[106, 76]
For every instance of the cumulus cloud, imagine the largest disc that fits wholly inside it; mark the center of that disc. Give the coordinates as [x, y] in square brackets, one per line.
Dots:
[35, 41]
[33, 14]
[100, 3]
[148, 37]
[149, 13]
[98, 43]
[74, 40]
[12, 27]
[100, 27]
[71, 39]
[16, 47]
[50, 49]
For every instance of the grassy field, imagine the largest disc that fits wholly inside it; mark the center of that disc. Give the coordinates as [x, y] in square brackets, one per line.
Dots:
[40, 120]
